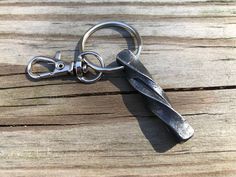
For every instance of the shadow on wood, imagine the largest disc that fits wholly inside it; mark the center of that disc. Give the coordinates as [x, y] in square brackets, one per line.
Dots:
[152, 127]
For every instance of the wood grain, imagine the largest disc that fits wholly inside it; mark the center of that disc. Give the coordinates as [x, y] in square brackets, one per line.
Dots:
[59, 127]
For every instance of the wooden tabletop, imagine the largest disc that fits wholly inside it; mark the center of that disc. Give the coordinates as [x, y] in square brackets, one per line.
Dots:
[59, 127]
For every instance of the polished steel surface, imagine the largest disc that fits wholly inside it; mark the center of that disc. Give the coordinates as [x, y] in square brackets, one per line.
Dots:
[108, 24]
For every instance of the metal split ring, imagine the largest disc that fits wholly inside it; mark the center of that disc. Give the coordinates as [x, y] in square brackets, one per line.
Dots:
[79, 64]
[108, 24]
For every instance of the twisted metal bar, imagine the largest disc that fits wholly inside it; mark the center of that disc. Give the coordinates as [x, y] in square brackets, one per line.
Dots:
[141, 80]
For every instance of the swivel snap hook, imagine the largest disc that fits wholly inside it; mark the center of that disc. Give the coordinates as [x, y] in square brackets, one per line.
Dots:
[78, 67]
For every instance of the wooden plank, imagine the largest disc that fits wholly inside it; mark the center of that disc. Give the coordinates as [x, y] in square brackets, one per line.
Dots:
[185, 65]
[58, 127]
[35, 105]
[118, 137]
[199, 37]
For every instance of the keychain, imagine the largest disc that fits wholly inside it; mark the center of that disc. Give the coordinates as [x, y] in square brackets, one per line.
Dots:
[135, 72]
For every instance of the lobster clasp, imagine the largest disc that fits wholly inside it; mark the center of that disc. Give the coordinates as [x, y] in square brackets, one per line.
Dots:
[78, 68]
[60, 67]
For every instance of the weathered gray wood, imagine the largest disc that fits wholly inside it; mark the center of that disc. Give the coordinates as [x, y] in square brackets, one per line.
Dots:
[173, 64]
[59, 127]
[115, 142]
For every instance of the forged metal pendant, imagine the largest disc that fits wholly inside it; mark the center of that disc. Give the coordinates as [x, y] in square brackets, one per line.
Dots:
[141, 80]
[137, 75]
